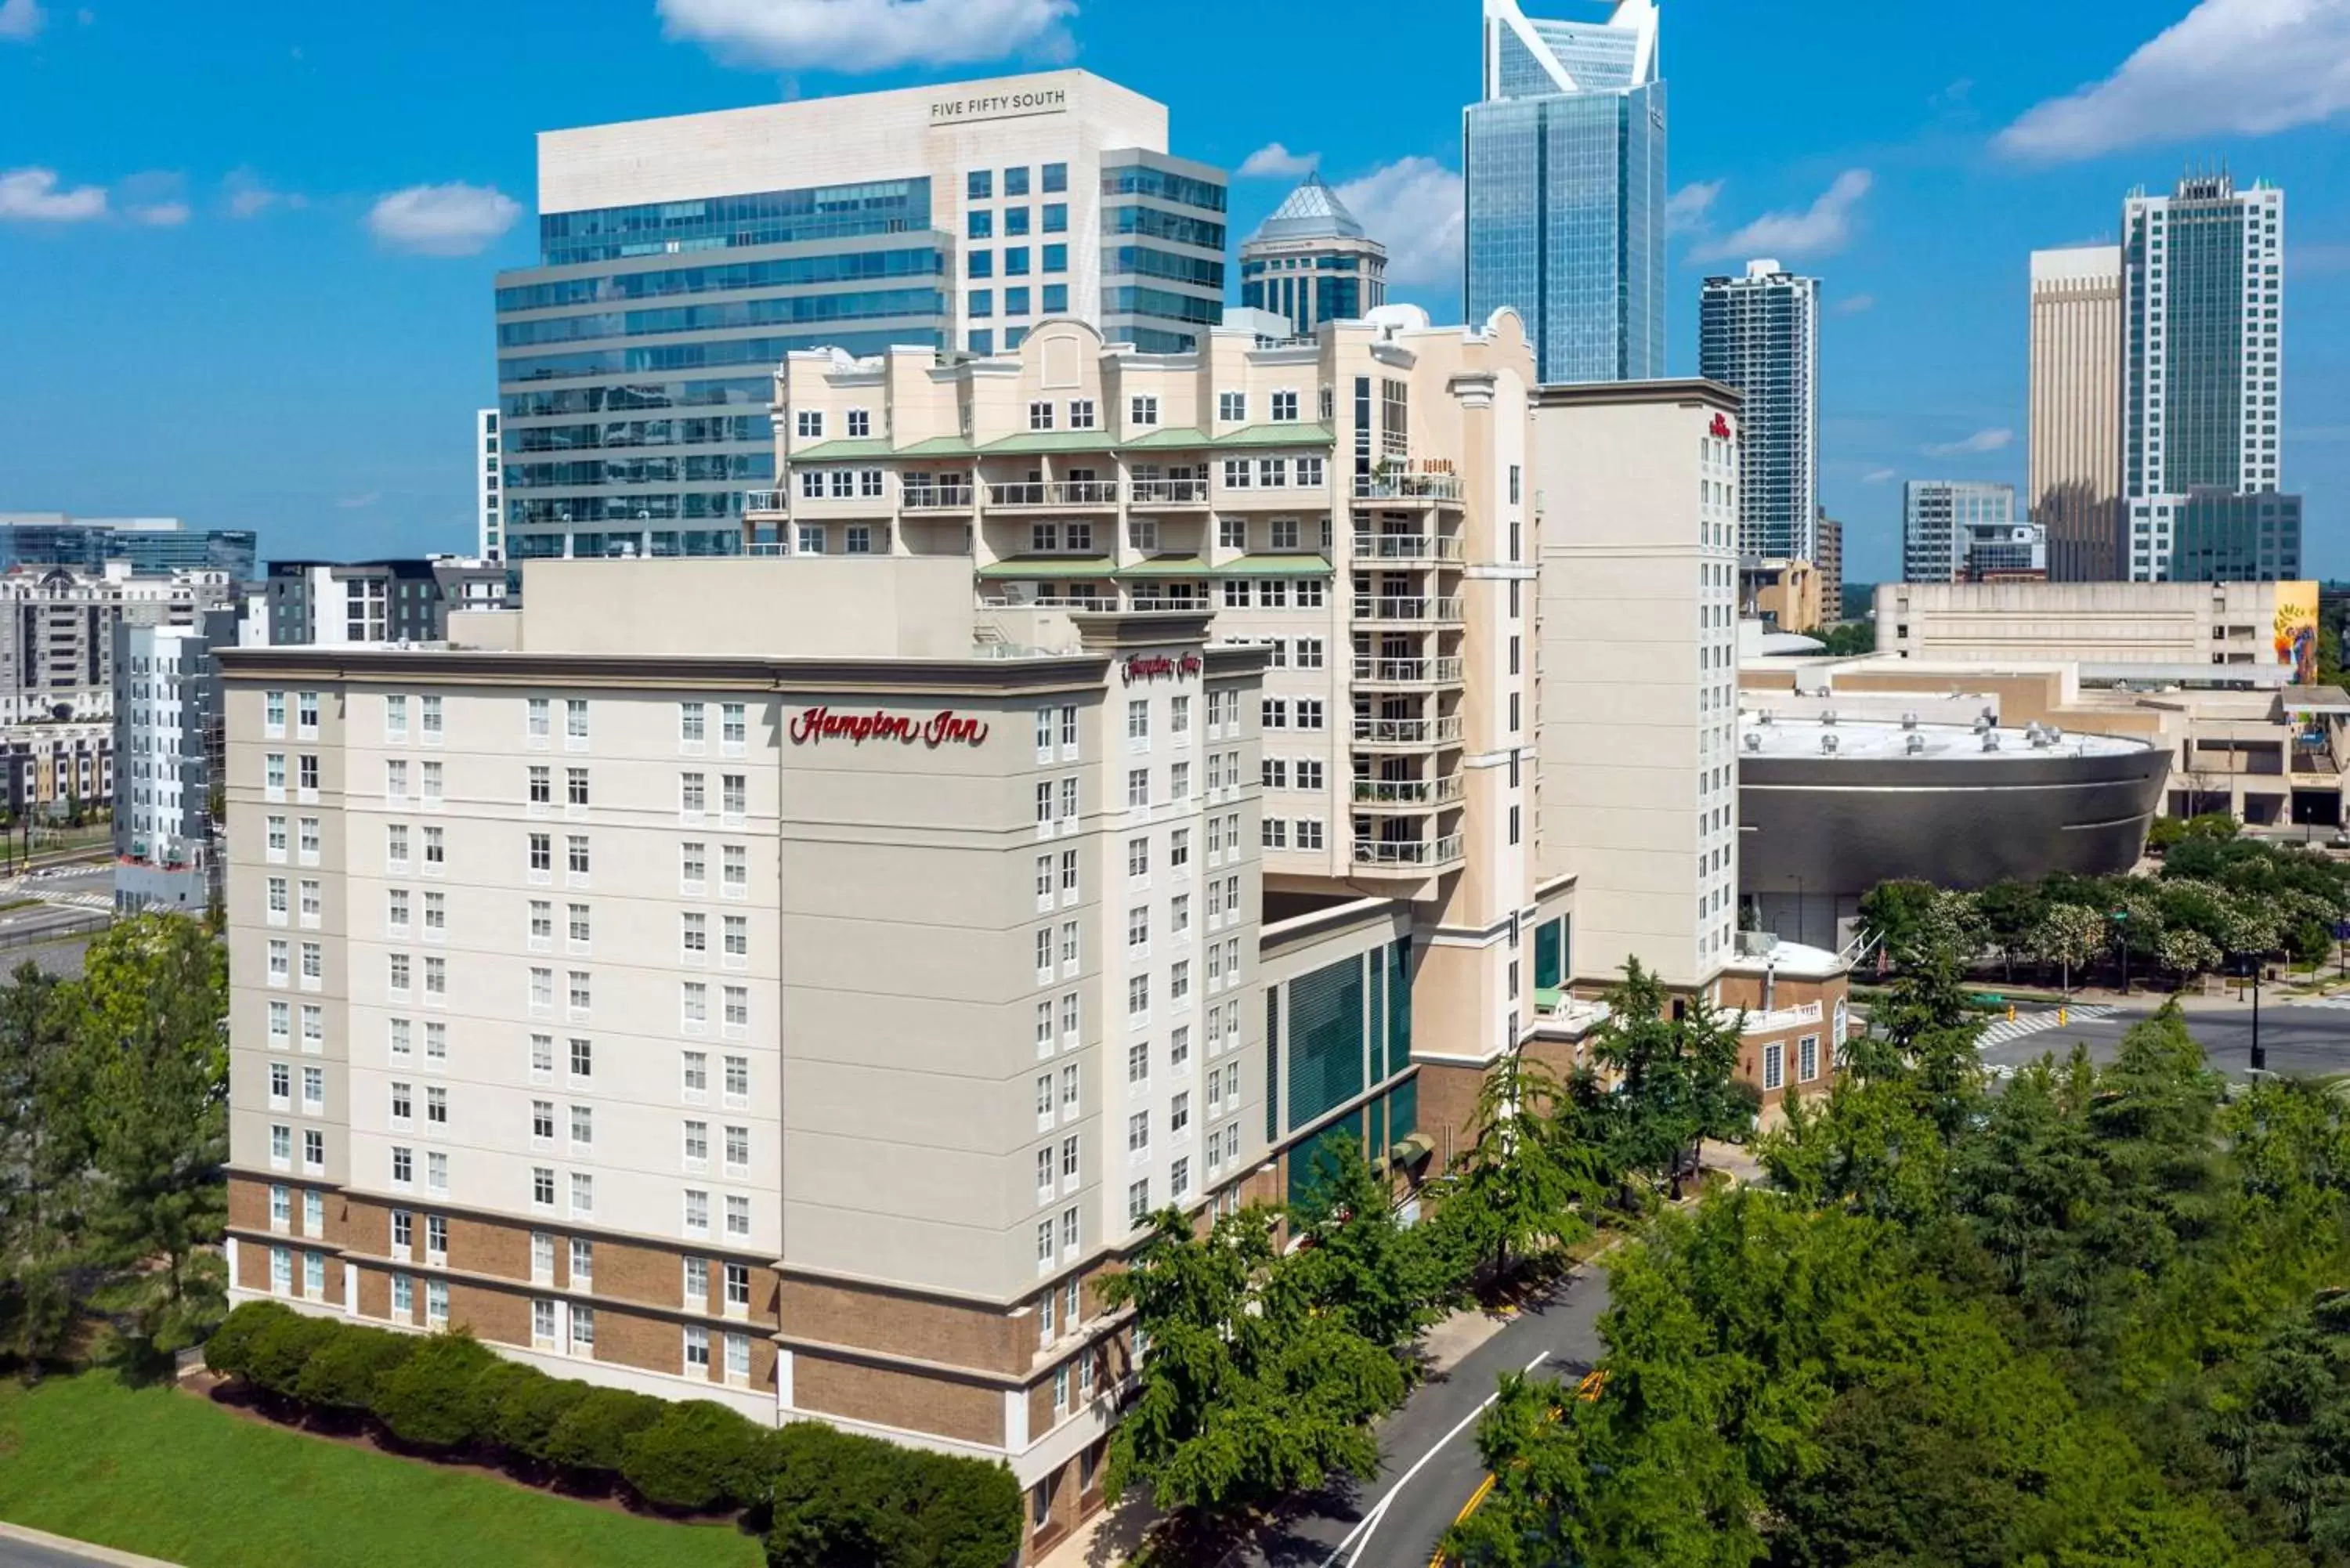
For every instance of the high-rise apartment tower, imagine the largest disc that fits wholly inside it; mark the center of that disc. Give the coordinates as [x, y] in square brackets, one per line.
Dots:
[1565, 164]
[1761, 334]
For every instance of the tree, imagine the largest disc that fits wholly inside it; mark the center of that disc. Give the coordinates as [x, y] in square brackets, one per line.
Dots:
[1668, 1082]
[1248, 1392]
[1356, 1263]
[592, 1435]
[432, 1400]
[342, 1373]
[2069, 936]
[2012, 912]
[148, 1023]
[45, 1152]
[697, 1454]
[2187, 953]
[1517, 1185]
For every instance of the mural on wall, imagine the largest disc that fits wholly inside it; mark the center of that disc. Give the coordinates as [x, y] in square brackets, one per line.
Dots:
[2296, 633]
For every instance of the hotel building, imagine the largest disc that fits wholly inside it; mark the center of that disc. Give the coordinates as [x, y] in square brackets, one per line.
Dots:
[682, 258]
[1111, 775]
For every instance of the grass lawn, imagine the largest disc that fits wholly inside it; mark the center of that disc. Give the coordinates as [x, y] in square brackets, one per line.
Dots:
[169, 1475]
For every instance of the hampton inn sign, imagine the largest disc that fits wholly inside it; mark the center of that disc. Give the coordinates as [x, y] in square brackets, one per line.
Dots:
[999, 105]
[943, 728]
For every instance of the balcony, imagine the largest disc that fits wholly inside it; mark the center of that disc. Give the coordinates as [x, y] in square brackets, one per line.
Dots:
[1416, 856]
[1406, 547]
[1170, 493]
[1408, 611]
[1084, 493]
[764, 503]
[1407, 487]
[1372, 732]
[936, 497]
[1371, 671]
[1408, 794]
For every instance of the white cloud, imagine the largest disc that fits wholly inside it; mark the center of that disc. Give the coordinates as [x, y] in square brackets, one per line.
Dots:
[20, 19]
[1854, 303]
[1876, 476]
[159, 214]
[1819, 229]
[1686, 208]
[1412, 206]
[1994, 440]
[1275, 161]
[35, 195]
[249, 195]
[871, 34]
[358, 502]
[451, 219]
[2244, 67]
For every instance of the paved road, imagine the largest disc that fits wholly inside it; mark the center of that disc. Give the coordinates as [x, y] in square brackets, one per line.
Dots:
[25, 1555]
[1430, 1446]
[2296, 1039]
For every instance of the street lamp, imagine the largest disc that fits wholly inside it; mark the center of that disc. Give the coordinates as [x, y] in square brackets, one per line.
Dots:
[2260, 1057]
[2121, 933]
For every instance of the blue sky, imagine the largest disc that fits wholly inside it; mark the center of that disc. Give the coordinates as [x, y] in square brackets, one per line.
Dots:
[245, 250]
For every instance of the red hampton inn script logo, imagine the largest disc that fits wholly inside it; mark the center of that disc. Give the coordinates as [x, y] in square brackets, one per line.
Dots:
[1158, 666]
[1720, 429]
[942, 728]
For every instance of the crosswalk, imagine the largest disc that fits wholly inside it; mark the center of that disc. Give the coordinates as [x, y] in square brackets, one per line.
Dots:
[2026, 1023]
[2340, 1003]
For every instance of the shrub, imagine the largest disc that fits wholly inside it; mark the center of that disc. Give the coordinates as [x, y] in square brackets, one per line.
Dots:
[430, 1399]
[697, 1454]
[840, 1498]
[343, 1371]
[230, 1350]
[273, 1363]
[520, 1404]
[593, 1434]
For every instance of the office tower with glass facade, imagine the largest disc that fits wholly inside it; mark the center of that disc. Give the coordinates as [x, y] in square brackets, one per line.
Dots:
[1311, 262]
[150, 545]
[682, 259]
[2203, 293]
[1563, 160]
[2076, 434]
[1761, 334]
[487, 510]
[1947, 524]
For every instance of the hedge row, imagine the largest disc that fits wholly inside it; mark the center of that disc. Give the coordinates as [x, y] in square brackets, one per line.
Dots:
[833, 1496]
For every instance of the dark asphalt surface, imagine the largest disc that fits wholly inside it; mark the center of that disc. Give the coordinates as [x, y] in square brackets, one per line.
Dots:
[17, 1554]
[2295, 1039]
[1435, 1426]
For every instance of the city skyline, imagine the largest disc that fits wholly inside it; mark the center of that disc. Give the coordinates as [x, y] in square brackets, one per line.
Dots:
[307, 241]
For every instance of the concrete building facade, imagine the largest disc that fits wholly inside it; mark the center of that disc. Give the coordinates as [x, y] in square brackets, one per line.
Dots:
[1955, 531]
[2075, 429]
[56, 658]
[2244, 633]
[169, 740]
[344, 603]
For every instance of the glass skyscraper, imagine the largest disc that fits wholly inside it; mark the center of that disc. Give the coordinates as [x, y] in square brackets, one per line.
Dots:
[1564, 166]
[2202, 320]
[682, 259]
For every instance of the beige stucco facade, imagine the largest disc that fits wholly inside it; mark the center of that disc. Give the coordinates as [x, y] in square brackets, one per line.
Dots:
[2250, 633]
[2075, 486]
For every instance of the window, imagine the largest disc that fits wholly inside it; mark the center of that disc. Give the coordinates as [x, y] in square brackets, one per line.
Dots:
[1232, 408]
[575, 723]
[1284, 406]
[1774, 1066]
[1239, 474]
[1081, 413]
[1808, 1058]
[574, 856]
[736, 870]
[1179, 849]
[1137, 788]
[536, 726]
[733, 726]
[1040, 416]
[1142, 411]
[1137, 1201]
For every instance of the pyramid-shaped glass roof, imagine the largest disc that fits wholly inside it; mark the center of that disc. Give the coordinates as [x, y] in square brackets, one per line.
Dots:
[1312, 211]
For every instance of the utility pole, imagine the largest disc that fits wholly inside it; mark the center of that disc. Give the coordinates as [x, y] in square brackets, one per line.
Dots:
[2260, 1057]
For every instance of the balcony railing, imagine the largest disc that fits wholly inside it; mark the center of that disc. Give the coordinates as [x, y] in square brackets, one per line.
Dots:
[919, 497]
[1406, 547]
[1055, 492]
[1375, 732]
[1168, 602]
[1048, 601]
[1408, 791]
[756, 502]
[1372, 670]
[1170, 493]
[1407, 487]
[1418, 854]
[1417, 610]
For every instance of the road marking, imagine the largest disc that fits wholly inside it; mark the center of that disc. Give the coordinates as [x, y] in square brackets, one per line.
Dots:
[2016, 1028]
[1370, 1521]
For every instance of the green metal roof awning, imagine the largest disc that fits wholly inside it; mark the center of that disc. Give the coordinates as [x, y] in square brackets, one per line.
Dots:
[1166, 566]
[1040, 566]
[1278, 435]
[938, 446]
[841, 450]
[1180, 435]
[1300, 566]
[1049, 441]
